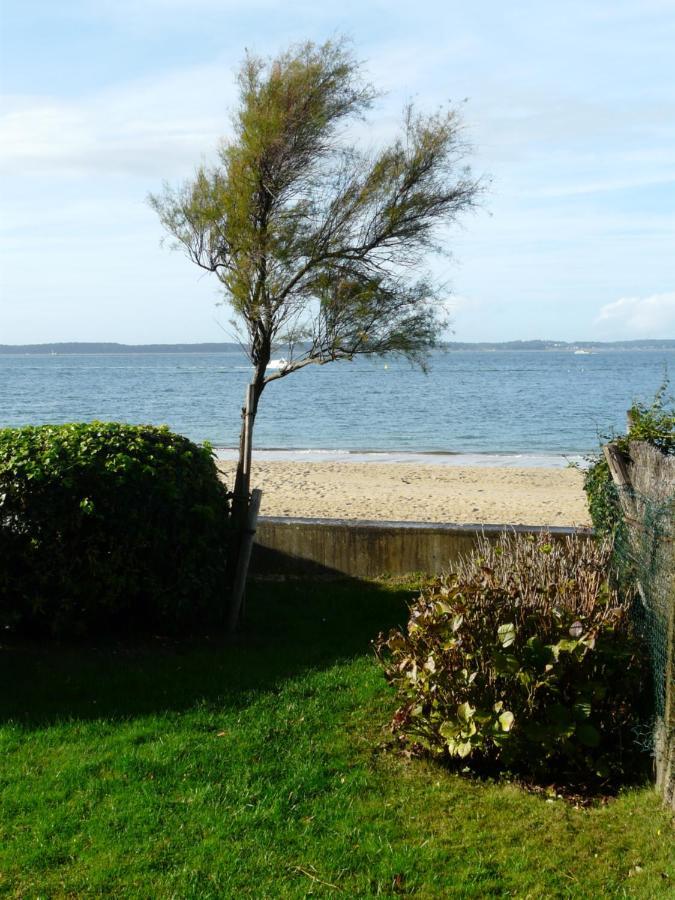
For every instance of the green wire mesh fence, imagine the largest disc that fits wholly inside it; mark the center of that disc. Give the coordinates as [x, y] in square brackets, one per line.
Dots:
[645, 553]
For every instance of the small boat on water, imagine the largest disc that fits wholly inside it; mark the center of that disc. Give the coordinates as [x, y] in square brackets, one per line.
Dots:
[277, 363]
[582, 352]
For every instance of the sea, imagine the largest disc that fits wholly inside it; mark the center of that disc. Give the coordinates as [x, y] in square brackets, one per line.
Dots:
[502, 407]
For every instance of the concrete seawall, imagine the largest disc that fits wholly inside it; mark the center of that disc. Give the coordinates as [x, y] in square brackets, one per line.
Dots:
[344, 548]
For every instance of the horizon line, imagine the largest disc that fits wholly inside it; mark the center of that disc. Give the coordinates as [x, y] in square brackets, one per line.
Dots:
[549, 343]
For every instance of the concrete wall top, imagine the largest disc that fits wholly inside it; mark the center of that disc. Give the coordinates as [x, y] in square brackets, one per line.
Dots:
[385, 525]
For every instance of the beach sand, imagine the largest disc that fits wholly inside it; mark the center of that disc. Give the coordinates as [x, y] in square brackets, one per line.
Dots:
[419, 493]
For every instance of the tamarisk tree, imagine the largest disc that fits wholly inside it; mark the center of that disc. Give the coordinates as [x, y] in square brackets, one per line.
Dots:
[320, 246]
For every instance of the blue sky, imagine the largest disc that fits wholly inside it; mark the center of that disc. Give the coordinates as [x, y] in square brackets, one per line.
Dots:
[570, 108]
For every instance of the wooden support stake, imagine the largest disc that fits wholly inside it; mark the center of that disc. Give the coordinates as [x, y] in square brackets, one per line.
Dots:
[242, 484]
[243, 560]
[248, 433]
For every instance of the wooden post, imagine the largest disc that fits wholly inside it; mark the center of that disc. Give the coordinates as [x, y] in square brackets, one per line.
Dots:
[645, 479]
[243, 560]
[664, 749]
[664, 745]
[248, 433]
[242, 484]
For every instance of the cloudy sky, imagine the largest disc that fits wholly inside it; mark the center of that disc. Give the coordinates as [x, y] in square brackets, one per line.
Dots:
[570, 108]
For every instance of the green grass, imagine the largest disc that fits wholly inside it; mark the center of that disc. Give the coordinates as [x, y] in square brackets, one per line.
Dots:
[206, 769]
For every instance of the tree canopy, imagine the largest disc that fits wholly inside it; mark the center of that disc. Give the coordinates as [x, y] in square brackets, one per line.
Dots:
[320, 245]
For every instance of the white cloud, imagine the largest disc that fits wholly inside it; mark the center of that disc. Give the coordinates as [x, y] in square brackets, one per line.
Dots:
[640, 317]
[149, 126]
[571, 115]
[606, 185]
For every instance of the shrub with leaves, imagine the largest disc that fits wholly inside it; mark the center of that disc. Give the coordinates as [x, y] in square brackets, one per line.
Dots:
[109, 526]
[522, 659]
[651, 422]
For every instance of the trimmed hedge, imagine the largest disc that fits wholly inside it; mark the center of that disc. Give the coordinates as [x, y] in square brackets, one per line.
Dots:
[109, 527]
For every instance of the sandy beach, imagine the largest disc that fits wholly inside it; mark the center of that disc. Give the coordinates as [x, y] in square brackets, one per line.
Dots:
[424, 493]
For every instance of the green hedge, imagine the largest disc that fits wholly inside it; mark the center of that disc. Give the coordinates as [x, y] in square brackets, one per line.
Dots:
[109, 527]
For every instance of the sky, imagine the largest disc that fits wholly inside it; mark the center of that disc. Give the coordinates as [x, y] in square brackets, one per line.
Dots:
[569, 108]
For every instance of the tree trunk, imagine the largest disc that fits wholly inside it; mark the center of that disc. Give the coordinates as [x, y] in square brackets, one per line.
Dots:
[243, 560]
[242, 483]
[241, 496]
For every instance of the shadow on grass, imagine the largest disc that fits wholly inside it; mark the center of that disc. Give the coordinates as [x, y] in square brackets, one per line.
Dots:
[289, 628]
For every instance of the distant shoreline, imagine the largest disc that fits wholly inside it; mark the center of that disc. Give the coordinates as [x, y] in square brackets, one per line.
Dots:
[114, 349]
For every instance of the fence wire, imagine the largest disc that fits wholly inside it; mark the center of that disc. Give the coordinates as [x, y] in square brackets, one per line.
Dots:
[644, 552]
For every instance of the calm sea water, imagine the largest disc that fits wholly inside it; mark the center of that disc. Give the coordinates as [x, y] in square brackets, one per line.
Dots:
[527, 404]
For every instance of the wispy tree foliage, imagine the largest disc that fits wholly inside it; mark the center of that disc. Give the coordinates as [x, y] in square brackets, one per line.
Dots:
[320, 246]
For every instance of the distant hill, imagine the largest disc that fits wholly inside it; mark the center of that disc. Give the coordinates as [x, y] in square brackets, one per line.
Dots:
[78, 347]
[565, 345]
[228, 347]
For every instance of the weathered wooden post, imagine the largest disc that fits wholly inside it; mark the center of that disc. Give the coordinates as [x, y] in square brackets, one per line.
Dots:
[645, 481]
[242, 483]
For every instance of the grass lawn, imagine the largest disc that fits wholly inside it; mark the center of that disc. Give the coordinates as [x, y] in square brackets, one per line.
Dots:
[202, 769]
